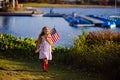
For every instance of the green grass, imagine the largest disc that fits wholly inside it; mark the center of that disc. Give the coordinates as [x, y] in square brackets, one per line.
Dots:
[49, 5]
[32, 71]
[62, 5]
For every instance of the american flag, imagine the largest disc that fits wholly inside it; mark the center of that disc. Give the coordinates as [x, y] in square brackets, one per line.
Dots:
[54, 35]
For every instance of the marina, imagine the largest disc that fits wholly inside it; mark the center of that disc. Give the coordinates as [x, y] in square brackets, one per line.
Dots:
[29, 26]
[74, 20]
[89, 20]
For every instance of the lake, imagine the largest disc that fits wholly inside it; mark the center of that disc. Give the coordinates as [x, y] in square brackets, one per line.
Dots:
[31, 26]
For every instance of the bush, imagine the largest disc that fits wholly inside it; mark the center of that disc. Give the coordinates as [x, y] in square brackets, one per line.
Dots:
[102, 36]
[94, 52]
[13, 47]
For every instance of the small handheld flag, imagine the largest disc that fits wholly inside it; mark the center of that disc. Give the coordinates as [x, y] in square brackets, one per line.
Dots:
[54, 35]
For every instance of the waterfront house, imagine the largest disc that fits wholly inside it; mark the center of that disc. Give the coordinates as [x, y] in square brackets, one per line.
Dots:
[1, 3]
[4, 3]
[8, 3]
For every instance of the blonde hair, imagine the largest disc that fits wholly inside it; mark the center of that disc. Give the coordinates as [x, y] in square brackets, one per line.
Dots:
[40, 36]
[42, 32]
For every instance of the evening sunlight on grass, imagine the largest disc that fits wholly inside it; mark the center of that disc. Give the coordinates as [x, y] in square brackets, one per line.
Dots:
[93, 56]
[31, 70]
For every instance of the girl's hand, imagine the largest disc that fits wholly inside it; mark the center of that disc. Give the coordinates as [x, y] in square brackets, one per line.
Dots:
[47, 36]
[49, 39]
[37, 50]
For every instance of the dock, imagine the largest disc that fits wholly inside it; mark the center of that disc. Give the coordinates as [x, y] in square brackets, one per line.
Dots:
[97, 22]
[82, 25]
[53, 15]
[16, 13]
[29, 13]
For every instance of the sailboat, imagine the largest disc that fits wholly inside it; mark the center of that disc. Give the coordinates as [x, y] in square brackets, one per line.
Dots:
[115, 16]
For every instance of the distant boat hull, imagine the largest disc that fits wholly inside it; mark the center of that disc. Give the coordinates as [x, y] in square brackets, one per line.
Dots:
[37, 15]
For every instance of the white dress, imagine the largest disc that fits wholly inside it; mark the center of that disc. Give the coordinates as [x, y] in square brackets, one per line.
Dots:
[45, 50]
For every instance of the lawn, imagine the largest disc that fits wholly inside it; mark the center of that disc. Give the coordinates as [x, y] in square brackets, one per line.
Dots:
[63, 5]
[31, 70]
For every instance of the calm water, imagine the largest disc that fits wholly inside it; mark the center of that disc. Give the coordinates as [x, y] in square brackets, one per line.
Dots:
[31, 26]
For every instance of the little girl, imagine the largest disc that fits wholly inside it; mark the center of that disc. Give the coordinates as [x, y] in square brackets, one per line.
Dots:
[44, 43]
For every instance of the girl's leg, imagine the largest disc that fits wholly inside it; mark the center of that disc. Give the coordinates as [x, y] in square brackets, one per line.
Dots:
[45, 65]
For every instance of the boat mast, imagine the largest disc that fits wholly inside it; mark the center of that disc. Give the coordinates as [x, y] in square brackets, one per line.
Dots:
[115, 7]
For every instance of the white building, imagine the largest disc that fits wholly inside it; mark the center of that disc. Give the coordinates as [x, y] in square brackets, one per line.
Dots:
[1, 3]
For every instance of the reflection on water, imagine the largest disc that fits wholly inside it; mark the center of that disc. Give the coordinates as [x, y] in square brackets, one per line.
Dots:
[31, 26]
[4, 21]
[6, 24]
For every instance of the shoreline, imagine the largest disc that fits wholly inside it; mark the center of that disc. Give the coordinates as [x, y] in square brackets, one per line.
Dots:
[66, 6]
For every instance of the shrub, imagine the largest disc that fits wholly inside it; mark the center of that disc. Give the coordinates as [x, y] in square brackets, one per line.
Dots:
[98, 52]
[102, 36]
[94, 52]
[17, 47]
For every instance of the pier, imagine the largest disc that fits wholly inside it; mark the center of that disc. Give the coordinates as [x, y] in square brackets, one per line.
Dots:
[97, 22]
[53, 15]
[15, 13]
[29, 13]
